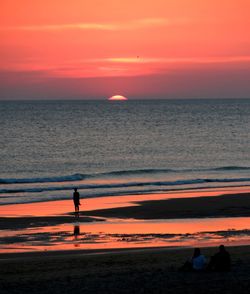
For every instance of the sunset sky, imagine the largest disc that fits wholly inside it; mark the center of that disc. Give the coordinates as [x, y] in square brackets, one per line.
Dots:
[93, 49]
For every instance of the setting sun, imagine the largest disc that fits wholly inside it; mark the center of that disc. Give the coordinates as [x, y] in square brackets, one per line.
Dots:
[118, 98]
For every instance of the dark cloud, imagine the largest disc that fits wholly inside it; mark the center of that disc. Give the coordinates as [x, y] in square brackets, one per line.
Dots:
[211, 82]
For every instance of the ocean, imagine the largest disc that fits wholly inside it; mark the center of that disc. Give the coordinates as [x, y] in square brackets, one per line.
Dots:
[121, 147]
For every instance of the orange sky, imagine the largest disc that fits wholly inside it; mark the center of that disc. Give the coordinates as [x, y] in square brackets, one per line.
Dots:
[139, 48]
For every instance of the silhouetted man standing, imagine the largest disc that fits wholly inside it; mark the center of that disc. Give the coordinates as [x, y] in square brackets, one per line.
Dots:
[76, 199]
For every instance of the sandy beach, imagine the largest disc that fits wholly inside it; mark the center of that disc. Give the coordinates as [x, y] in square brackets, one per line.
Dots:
[235, 205]
[125, 245]
[191, 218]
[225, 205]
[136, 271]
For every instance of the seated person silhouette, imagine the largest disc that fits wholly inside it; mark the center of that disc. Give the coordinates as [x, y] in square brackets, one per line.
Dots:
[197, 262]
[221, 261]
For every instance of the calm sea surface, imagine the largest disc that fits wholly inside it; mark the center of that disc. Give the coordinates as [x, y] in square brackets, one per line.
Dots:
[118, 148]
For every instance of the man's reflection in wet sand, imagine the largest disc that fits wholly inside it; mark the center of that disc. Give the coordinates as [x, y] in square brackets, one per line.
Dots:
[76, 233]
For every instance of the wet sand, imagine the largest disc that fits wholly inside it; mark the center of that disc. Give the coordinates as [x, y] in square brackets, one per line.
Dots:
[236, 205]
[229, 205]
[130, 271]
[188, 218]
[141, 270]
[17, 223]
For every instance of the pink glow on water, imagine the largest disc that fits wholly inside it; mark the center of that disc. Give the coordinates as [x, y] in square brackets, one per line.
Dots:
[66, 206]
[120, 233]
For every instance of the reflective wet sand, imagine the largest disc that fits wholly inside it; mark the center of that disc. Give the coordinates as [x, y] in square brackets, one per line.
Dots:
[65, 232]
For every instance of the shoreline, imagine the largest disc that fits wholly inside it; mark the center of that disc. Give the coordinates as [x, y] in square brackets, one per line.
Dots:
[226, 205]
[128, 222]
[65, 207]
[192, 190]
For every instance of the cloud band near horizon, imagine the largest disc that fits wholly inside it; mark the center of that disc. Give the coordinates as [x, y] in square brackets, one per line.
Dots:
[114, 26]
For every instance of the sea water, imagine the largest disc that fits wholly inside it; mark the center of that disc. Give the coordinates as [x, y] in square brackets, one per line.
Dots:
[121, 147]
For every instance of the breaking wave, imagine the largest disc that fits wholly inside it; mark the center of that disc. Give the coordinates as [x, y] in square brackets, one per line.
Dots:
[122, 173]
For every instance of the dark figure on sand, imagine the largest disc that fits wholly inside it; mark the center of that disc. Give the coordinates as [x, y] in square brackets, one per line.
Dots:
[76, 231]
[221, 261]
[76, 199]
[76, 235]
[197, 262]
